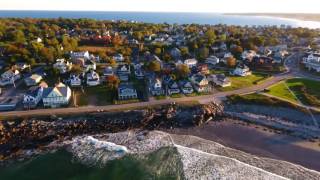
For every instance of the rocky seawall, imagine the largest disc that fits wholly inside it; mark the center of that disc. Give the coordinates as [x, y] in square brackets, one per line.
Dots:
[19, 135]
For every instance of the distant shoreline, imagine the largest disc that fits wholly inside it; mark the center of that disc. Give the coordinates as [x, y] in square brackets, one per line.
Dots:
[298, 16]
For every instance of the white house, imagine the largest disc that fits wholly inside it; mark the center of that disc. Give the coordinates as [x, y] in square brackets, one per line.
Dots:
[9, 77]
[90, 65]
[32, 98]
[186, 87]
[312, 62]
[93, 78]
[127, 91]
[63, 66]
[108, 71]
[155, 87]
[75, 80]
[57, 96]
[33, 80]
[173, 88]
[200, 83]
[241, 70]
[212, 60]
[220, 80]
[248, 55]
[80, 55]
[191, 62]
[22, 66]
[118, 57]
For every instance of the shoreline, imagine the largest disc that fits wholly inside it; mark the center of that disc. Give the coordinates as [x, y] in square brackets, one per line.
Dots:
[258, 140]
[287, 16]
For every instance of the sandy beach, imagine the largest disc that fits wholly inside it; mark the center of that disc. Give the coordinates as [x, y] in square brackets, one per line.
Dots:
[259, 141]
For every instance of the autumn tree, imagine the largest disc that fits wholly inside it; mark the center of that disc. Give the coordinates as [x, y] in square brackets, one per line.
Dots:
[112, 82]
[182, 71]
[154, 66]
[231, 62]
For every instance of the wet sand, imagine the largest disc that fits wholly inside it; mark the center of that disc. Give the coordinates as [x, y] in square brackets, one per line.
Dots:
[259, 141]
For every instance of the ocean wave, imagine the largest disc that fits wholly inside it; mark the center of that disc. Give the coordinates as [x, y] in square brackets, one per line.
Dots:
[200, 158]
[92, 151]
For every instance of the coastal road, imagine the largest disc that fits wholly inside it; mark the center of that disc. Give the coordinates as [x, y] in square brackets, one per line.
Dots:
[202, 99]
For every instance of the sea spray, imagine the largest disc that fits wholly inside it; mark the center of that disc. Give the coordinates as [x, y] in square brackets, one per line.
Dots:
[92, 151]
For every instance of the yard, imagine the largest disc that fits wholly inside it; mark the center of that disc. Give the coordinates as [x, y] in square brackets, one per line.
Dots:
[242, 82]
[99, 95]
[307, 91]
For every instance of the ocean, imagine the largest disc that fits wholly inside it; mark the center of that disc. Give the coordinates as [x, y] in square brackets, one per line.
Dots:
[158, 17]
[155, 155]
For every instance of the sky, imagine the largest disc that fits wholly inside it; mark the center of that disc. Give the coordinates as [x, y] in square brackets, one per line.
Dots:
[214, 6]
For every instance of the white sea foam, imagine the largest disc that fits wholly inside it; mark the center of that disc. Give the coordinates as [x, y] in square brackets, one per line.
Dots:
[199, 162]
[92, 151]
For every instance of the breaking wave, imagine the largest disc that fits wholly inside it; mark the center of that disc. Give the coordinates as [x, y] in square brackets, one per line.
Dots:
[197, 161]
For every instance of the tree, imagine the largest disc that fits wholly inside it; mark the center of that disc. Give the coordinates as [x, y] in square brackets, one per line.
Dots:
[76, 69]
[237, 51]
[18, 37]
[184, 51]
[112, 82]
[183, 71]
[154, 66]
[47, 54]
[203, 53]
[231, 62]
[157, 51]
[112, 62]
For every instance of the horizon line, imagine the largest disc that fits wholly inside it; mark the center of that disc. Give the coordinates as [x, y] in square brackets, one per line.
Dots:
[204, 12]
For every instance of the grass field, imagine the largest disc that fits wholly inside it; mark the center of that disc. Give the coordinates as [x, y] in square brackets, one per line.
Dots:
[307, 91]
[281, 90]
[242, 82]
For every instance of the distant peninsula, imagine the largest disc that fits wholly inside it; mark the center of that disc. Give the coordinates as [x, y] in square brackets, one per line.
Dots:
[298, 16]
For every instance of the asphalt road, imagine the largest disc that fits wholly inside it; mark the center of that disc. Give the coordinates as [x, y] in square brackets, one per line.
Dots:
[292, 71]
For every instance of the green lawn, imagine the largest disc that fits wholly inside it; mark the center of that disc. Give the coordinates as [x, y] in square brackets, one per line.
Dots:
[307, 91]
[242, 82]
[281, 90]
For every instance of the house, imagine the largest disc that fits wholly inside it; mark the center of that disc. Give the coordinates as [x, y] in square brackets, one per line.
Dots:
[312, 62]
[22, 66]
[220, 80]
[108, 71]
[173, 88]
[139, 73]
[80, 55]
[123, 72]
[9, 77]
[75, 80]
[186, 87]
[57, 96]
[248, 55]
[191, 62]
[212, 60]
[118, 58]
[262, 63]
[127, 91]
[241, 70]
[203, 69]
[155, 87]
[33, 80]
[175, 53]
[200, 83]
[93, 78]
[32, 97]
[8, 103]
[63, 66]
[90, 65]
